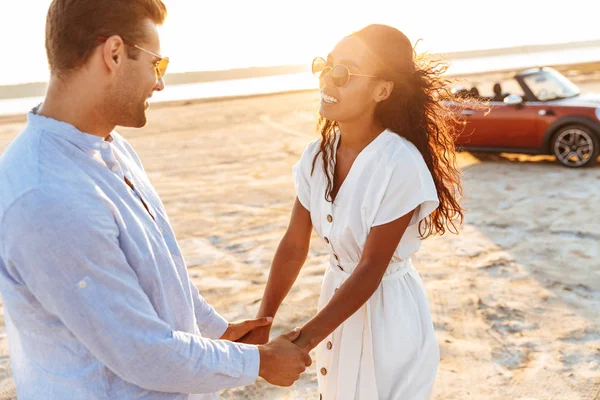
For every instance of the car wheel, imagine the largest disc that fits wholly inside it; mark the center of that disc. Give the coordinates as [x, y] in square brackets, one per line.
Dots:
[575, 146]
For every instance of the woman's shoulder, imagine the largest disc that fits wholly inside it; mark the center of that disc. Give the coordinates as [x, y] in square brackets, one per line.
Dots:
[313, 147]
[310, 151]
[401, 151]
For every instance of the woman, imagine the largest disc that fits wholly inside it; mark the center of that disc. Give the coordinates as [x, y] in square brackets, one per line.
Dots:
[381, 177]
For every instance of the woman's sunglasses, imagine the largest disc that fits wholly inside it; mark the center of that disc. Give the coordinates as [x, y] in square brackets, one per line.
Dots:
[160, 66]
[339, 74]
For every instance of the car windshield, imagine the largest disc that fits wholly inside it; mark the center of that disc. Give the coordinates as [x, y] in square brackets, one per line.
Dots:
[549, 84]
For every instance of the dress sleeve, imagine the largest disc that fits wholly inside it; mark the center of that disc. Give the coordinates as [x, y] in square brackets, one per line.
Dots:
[302, 174]
[410, 186]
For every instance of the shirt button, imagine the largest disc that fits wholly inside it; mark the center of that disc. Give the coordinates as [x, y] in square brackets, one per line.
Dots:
[326, 240]
[329, 218]
[115, 168]
[105, 146]
[323, 371]
[82, 284]
[329, 345]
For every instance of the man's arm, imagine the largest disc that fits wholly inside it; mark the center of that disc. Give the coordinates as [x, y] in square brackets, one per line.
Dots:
[67, 253]
[210, 323]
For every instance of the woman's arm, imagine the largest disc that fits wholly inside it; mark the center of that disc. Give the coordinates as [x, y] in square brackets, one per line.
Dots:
[289, 259]
[360, 286]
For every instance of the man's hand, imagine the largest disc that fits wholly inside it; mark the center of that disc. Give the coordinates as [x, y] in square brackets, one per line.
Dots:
[237, 330]
[258, 335]
[304, 342]
[281, 361]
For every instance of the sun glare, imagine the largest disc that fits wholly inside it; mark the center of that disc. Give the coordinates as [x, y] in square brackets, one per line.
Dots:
[237, 33]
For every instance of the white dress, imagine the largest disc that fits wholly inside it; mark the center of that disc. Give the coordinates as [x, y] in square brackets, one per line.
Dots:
[387, 350]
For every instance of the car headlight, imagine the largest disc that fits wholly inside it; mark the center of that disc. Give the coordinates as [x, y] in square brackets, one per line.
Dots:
[598, 113]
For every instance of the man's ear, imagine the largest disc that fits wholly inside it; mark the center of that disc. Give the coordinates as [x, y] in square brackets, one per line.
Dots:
[113, 52]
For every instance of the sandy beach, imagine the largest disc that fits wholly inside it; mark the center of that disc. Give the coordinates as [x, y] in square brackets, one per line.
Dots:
[515, 296]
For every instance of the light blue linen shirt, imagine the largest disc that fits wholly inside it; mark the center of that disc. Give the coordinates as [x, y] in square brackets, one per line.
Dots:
[97, 299]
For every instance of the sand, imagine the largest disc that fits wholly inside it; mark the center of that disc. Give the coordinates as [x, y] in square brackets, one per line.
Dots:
[515, 296]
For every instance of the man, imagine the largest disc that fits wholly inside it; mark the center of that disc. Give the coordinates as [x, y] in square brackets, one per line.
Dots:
[98, 303]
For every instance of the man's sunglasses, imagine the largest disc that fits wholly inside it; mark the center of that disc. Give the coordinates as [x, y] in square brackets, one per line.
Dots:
[160, 66]
[339, 74]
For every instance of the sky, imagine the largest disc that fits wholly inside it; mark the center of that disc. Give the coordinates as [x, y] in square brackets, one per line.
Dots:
[222, 34]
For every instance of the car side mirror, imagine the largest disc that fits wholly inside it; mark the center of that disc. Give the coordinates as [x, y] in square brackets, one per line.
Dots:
[513, 100]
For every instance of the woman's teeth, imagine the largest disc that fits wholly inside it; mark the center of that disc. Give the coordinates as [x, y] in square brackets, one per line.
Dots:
[328, 99]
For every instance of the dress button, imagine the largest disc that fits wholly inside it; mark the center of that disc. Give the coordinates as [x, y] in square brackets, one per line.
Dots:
[329, 218]
[329, 345]
[326, 240]
[323, 371]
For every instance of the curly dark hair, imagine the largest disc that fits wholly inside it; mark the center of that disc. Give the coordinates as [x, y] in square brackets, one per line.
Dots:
[420, 110]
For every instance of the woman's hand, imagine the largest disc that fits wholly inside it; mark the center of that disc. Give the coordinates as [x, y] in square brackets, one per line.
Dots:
[237, 330]
[259, 335]
[304, 342]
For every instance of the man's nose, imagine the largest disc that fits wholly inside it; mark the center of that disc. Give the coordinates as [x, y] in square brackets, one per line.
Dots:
[160, 84]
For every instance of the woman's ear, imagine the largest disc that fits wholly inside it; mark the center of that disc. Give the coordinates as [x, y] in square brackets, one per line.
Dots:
[383, 91]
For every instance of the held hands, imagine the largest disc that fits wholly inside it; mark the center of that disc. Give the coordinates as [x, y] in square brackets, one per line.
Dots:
[237, 330]
[281, 361]
[304, 342]
[259, 335]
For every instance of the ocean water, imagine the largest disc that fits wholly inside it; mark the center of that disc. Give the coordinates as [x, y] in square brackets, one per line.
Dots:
[305, 81]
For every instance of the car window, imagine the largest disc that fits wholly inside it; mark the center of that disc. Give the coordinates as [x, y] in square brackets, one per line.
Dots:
[508, 86]
[548, 85]
[511, 86]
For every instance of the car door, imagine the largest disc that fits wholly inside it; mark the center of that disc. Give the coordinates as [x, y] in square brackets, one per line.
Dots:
[501, 126]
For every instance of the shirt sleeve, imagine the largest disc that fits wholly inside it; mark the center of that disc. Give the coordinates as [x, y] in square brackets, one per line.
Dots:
[410, 186]
[302, 174]
[67, 253]
[210, 323]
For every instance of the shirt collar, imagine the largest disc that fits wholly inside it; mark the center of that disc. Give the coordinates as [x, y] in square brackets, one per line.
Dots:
[85, 141]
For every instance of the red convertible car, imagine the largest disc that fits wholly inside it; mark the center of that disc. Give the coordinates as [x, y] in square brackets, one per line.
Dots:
[538, 111]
